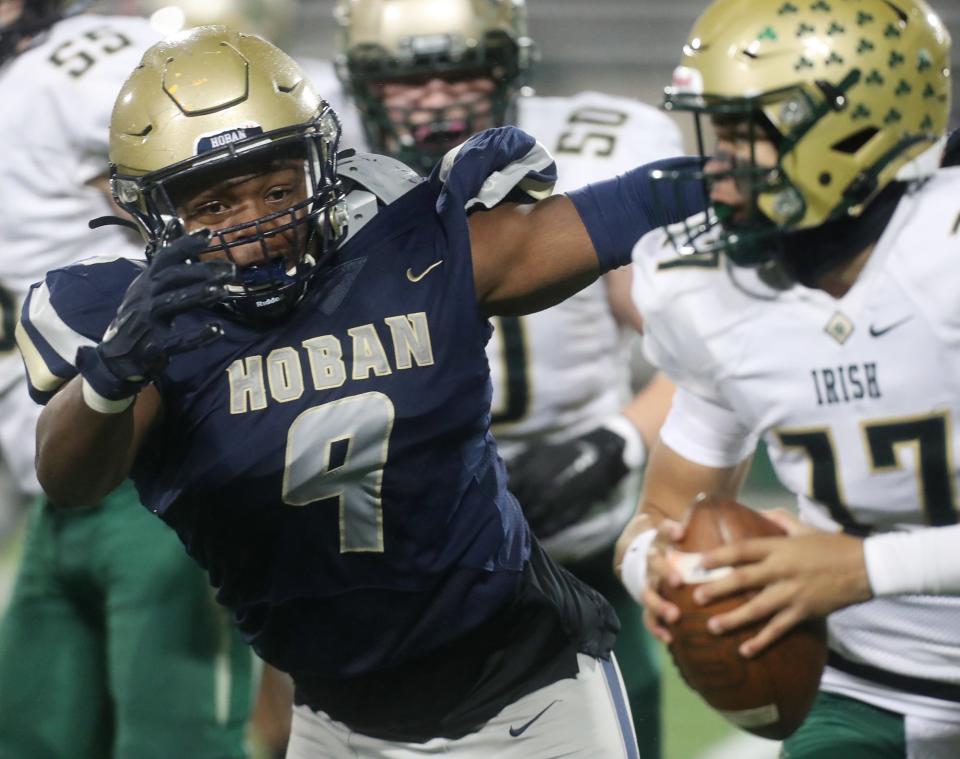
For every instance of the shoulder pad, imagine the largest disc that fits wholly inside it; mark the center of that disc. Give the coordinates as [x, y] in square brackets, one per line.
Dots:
[361, 208]
[371, 180]
[70, 308]
[385, 177]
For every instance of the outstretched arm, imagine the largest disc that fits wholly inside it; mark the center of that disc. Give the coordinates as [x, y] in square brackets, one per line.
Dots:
[529, 257]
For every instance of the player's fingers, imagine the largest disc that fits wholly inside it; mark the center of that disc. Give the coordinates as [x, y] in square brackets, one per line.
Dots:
[767, 602]
[181, 250]
[787, 522]
[186, 298]
[741, 552]
[669, 532]
[736, 580]
[775, 629]
[656, 627]
[217, 270]
[179, 275]
[659, 607]
[661, 570]
[188, 341]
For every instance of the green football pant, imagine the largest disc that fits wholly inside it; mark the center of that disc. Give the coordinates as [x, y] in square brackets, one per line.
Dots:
[635, 649]
[113, 646]
[839, 727]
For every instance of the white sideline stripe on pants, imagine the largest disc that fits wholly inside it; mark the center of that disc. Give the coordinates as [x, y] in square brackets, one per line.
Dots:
[620, 702]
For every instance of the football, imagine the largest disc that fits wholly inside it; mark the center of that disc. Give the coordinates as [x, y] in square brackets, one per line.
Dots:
[770, 694]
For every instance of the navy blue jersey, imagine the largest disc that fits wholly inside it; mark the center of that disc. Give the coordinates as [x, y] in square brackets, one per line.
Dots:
[335, 473]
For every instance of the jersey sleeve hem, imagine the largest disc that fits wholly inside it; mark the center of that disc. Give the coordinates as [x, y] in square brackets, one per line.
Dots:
[705, 432]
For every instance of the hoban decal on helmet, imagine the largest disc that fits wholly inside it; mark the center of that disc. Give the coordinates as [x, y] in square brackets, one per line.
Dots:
[383, 41]
[853, 93]
[30, 17]
[212, 102]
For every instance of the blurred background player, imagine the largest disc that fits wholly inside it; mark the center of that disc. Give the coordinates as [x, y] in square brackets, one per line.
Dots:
[815, 306]
[425, 77]
[112, 645]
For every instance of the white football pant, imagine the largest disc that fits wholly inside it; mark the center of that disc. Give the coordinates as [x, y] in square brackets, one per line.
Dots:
[586, 717]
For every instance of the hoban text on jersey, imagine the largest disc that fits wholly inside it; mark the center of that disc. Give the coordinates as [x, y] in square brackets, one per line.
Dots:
[281, 375]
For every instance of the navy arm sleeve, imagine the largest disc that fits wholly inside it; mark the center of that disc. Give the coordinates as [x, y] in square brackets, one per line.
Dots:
[617, 212]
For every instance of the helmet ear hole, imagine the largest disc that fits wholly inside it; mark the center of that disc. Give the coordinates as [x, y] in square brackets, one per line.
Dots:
[852, 143]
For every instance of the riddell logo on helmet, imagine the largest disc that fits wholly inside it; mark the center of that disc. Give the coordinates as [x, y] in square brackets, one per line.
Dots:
[208, 142]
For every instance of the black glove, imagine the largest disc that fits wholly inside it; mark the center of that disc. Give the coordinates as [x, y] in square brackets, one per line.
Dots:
[557, 484]
[140, 340]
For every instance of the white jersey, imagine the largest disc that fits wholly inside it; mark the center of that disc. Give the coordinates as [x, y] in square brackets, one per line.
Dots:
[57, 98]
[558, 373]
[857, 399]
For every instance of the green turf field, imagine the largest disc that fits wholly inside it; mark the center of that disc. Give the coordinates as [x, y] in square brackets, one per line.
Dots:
[689, 725]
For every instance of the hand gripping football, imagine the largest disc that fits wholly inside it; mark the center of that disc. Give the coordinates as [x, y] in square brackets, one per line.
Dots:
[770, 694]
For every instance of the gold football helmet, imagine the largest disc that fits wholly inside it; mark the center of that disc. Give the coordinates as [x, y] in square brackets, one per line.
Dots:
[412, 40]
[214, 100]
[272, 19]
[854, 93]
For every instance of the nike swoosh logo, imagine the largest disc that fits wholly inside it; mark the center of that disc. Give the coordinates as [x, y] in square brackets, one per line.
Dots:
[516, 732]
[586, 458]
[417, 277]
[874, 332]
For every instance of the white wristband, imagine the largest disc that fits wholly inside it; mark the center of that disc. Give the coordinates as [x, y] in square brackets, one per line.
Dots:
[633, 569]
[634, 451]
[924, 561]
[101, 405]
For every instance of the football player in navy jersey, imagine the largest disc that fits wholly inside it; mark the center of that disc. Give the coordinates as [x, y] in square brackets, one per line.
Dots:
[295, 378]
